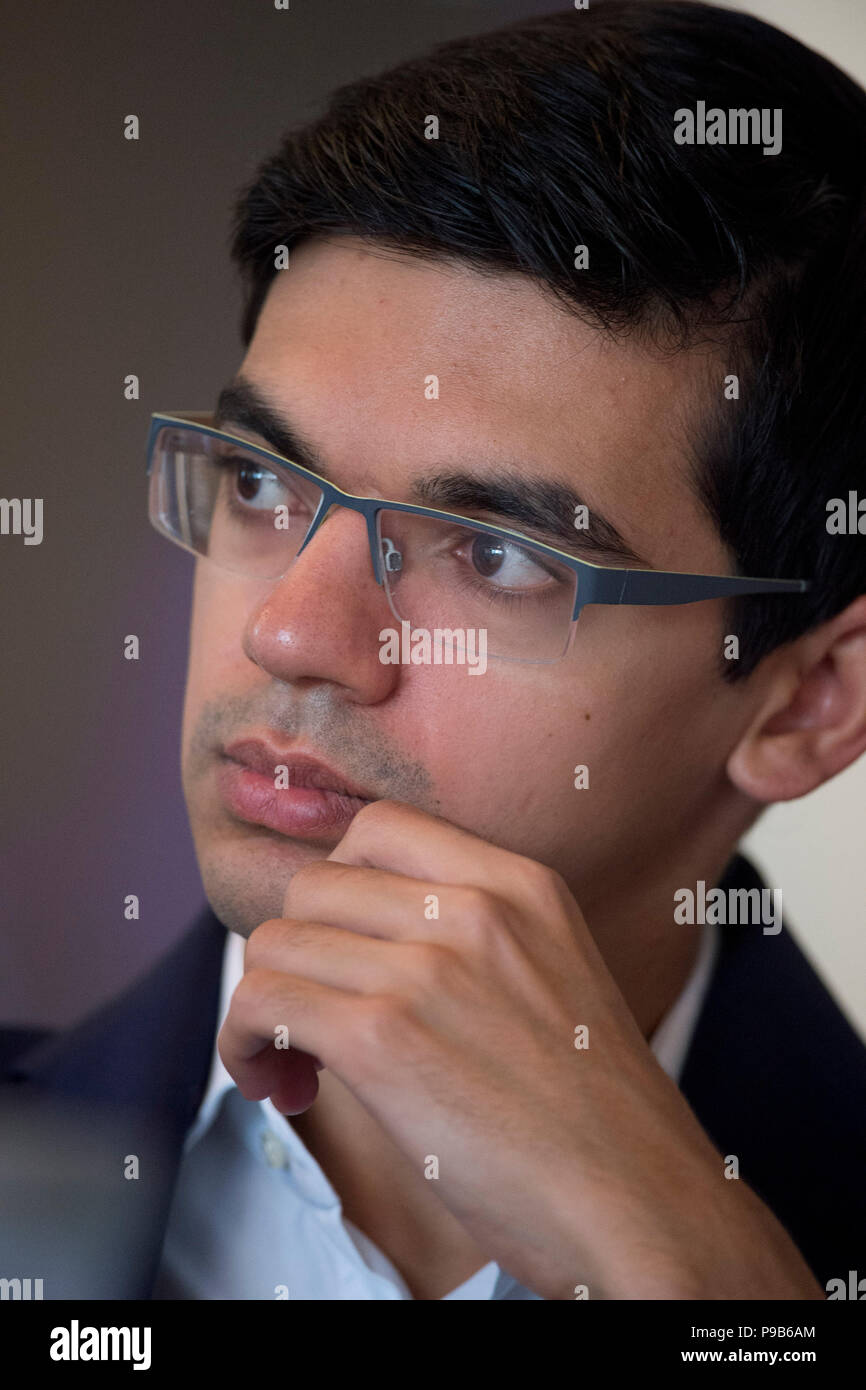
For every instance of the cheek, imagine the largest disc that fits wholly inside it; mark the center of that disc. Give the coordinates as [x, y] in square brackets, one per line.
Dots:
[500, 747]
[570, 763]
[219, 613]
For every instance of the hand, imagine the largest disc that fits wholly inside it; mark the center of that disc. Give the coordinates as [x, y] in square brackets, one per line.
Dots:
[443, 980]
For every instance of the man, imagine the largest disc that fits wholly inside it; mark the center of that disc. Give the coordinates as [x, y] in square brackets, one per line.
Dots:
[472, 1039]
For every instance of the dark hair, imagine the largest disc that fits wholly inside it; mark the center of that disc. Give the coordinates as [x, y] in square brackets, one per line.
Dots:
[558, 131]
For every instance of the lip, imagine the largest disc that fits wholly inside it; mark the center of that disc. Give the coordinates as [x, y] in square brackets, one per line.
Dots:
[317, 802]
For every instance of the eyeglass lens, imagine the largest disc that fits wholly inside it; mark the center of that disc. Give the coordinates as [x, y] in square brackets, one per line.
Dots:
[224, 502]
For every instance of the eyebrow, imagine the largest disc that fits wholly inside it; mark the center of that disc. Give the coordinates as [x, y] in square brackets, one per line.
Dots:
[542, 508]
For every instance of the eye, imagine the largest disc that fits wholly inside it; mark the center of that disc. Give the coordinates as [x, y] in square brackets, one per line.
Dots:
[508, 565]
[257, 487]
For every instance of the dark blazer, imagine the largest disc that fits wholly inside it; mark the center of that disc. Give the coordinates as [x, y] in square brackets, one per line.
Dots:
[774, 1073]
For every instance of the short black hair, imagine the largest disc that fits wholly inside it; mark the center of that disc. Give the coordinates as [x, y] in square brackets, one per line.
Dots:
[558, 131]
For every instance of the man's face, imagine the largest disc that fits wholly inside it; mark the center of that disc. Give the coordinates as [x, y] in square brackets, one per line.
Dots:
[343, 349]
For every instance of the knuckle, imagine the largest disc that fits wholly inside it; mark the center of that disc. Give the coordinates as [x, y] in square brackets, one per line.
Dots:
[249, 990]
[481, 915]
[542, 882]
[380, 1027]
[299, 885]
[433, 966]
[262, 939]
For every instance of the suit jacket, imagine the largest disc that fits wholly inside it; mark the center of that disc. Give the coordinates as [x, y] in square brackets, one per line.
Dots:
[775, 1074]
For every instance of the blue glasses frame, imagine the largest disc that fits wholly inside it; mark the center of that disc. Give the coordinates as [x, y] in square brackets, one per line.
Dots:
[595, 583]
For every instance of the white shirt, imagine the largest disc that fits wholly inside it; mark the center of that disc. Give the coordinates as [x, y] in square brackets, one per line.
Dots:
[253, 1215]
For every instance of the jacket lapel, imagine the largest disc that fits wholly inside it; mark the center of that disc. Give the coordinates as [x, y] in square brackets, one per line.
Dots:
[99, 1115]
[775, 1074]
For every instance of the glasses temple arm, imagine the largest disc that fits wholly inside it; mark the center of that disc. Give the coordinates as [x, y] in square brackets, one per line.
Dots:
[659, 587]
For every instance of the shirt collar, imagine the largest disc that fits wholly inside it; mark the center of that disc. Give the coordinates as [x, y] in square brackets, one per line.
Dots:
[219, 1080]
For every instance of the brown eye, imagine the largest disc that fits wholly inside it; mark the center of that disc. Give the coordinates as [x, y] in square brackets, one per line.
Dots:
[487, 555]
[510, 565]
[248, 481]
[256, 487]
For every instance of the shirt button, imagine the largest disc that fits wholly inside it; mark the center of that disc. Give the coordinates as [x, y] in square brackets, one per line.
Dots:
[274, 1150]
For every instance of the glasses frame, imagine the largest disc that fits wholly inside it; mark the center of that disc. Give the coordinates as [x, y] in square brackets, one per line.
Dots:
[595, 583]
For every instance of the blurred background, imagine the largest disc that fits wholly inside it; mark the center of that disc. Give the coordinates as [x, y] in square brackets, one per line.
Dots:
[116, 262]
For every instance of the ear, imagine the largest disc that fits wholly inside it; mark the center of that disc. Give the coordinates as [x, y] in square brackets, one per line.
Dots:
[811, 722]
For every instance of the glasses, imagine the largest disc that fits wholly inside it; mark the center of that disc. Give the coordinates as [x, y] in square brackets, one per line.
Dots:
[251, 511]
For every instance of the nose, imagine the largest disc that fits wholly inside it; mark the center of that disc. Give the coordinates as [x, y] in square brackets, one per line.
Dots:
[321, 621]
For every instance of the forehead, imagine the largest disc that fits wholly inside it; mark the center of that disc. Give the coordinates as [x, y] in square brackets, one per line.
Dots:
[396, 365]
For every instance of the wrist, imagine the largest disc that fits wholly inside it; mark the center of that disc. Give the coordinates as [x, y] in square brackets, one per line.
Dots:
[724, 1245]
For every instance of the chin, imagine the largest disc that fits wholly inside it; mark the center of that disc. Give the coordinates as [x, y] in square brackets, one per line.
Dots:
[245, 880]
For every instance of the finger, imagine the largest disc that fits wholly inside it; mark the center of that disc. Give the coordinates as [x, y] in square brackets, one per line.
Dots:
[403, 839]
[375, 902]
[398, 837]
[328, 955]
[288, 1078]
[265, 1007]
